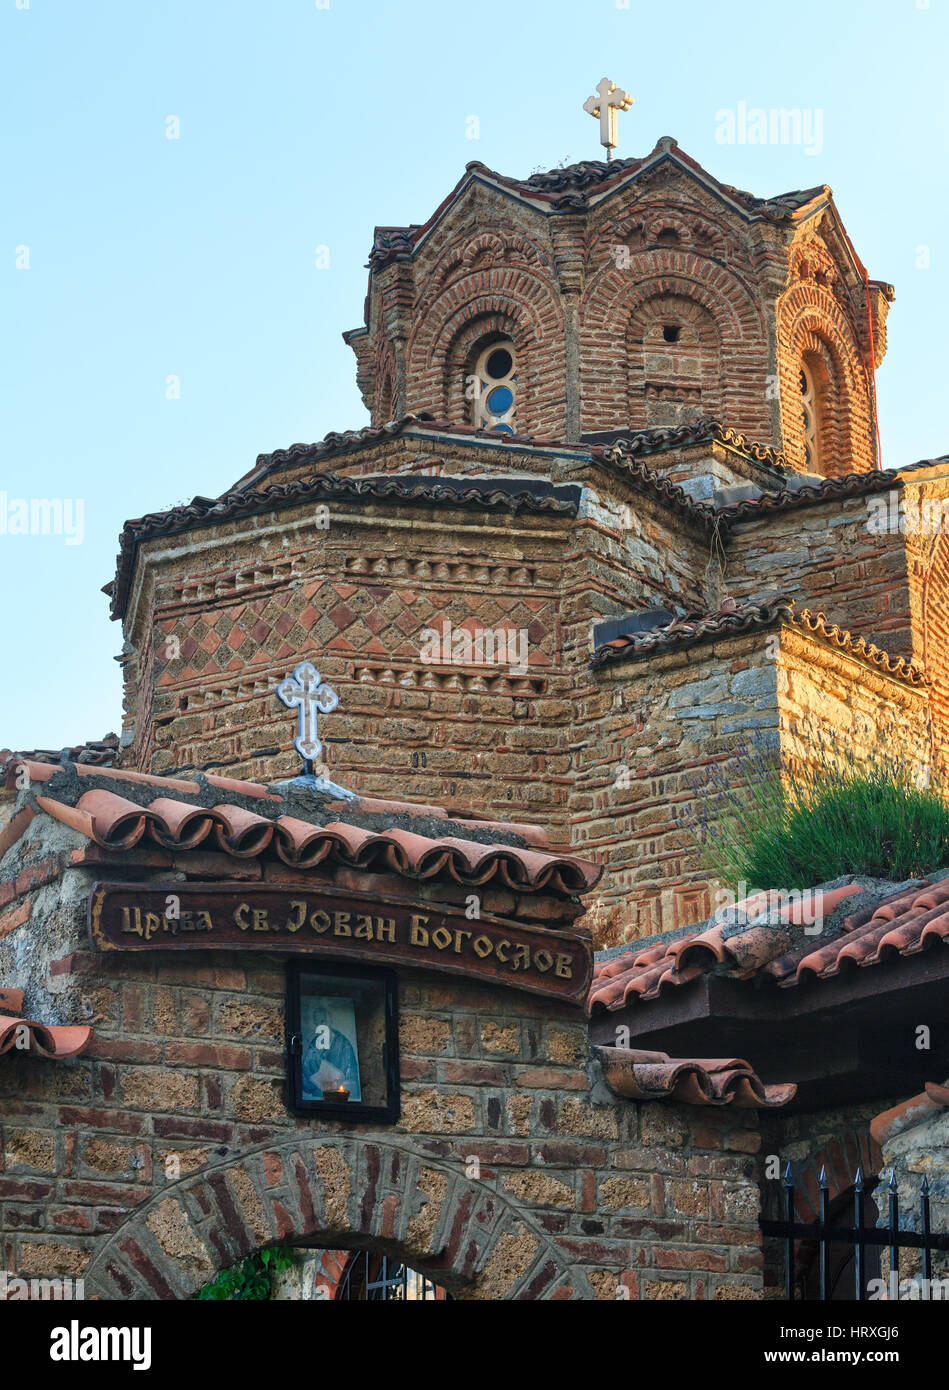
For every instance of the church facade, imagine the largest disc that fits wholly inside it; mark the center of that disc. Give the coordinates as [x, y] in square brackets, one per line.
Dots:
[622, 457]
[618, 518]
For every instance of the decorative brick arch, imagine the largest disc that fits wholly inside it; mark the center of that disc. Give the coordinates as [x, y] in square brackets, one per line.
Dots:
[612, 309]
[464, 349]
[531, 314]
[338, 1191]
[840, 1159]
[469, 249]
[811, 321]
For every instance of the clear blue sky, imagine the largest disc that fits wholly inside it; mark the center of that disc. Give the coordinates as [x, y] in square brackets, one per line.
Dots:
[302, 127]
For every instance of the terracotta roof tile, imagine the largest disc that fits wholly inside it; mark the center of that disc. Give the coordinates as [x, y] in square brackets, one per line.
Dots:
[350, 441]
[903, 924]
[54, 1040]
[570, 187]
[709, 1081]
[920, 921]
[15, 827]
[621, 458]
[660, 438]
[829, 490]
[109, 816]
[734, 618]
[481, 493]
[731, 619]
[898, 666]
[97, 753]
[932, 1101]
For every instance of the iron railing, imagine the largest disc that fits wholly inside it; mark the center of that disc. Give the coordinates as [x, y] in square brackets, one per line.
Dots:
[369, 1277]
[859, 1236]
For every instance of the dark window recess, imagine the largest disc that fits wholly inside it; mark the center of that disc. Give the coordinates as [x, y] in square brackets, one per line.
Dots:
[500, 364]
[644, 620]
[671, 332]
[343, 1041]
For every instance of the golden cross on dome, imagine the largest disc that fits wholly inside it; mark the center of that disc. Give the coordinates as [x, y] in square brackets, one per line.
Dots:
[604, 106]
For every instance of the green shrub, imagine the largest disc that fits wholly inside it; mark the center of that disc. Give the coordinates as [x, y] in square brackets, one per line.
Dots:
[879, 817]
[251, 1278]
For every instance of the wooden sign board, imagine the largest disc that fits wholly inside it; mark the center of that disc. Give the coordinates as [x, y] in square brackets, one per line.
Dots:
[299, 920]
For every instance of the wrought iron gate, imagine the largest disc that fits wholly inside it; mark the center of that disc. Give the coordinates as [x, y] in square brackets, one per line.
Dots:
[369, 1277]
[865, 1240]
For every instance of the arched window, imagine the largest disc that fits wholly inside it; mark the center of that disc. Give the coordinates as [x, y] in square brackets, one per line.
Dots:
[809, 419]
[494, 388]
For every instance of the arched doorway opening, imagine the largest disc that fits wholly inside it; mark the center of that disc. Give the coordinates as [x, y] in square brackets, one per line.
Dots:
[372, 1277]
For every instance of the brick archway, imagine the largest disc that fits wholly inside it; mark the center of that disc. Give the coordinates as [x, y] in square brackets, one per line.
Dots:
[345, 1192]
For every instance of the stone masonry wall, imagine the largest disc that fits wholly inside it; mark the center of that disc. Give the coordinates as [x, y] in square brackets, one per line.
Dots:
[660, 731]
[669, 732]
[835, 709]
[828, 558]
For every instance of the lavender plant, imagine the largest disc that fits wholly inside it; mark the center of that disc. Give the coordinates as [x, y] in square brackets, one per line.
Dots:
[832, 813]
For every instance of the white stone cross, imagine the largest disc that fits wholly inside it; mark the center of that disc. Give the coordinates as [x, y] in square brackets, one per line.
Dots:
[305, 690]
[604, 106]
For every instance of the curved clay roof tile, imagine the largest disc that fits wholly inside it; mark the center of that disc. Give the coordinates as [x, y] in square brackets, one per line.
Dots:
[116, 822]
[708, 942]
[411, 854]
[908, 940]
[300, 843]
[350, 841]
[49, 1040]
[923, 898]
[240, 832]
[179, 825]
[708, 1081]
[35, 771]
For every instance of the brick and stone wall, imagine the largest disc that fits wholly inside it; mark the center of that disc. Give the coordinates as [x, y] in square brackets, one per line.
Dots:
[167, 1152]
[829, 558]
[670, 732]
[836, 710]
[218, 617]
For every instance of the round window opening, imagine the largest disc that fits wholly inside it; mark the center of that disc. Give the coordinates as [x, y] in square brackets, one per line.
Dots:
[500, 364]
[494, 399]
[500, 400]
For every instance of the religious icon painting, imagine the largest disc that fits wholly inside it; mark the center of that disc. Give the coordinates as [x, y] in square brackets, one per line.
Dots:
[330, 1056]
[342, 1027]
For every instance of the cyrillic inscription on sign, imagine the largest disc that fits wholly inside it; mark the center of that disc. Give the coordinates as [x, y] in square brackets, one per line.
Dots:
[206, 916]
